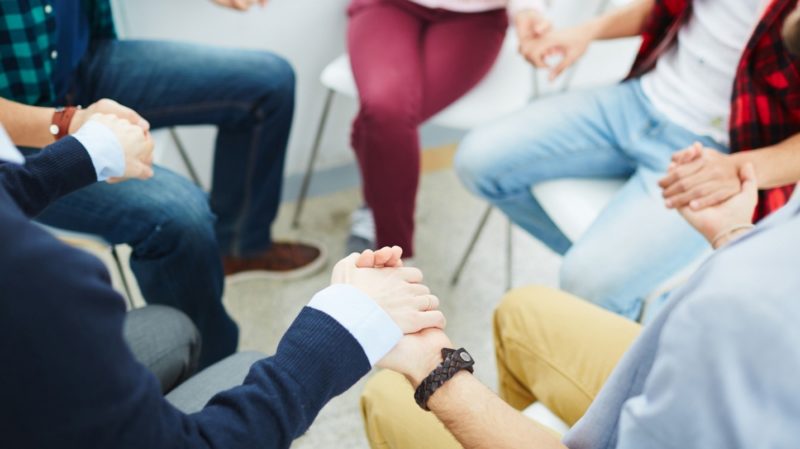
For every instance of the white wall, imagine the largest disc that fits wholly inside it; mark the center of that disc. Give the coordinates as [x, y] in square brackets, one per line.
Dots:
[309, 33]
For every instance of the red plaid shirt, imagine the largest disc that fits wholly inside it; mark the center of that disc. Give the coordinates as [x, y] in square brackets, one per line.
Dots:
[765, 103]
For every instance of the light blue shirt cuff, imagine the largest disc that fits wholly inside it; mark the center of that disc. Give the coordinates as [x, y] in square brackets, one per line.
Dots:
[104, 149]
[374, 330]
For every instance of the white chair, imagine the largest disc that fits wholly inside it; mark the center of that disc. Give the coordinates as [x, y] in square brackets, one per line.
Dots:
[505, 89]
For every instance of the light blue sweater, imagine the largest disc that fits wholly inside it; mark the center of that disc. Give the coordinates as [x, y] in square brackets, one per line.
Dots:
[719, 368]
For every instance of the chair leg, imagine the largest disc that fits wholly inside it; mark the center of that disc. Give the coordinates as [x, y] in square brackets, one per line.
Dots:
[187, 162]
[301, 199]
[510, 255]
[475, 236]
[123, 277]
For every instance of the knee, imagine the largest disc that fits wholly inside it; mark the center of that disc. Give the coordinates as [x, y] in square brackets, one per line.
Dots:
[603, 285]
[164, 340]
[388, 111]
[522, 307]
[475, 163]
[382, 398]
[272, 80]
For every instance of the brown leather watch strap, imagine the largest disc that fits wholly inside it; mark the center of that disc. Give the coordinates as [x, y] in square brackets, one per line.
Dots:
[453, 361]
[62, 119]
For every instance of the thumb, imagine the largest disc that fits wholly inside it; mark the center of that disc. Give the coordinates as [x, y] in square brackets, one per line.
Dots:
[747, 174]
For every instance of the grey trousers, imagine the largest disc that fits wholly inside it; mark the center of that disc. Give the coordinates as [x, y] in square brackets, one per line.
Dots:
[166, 342]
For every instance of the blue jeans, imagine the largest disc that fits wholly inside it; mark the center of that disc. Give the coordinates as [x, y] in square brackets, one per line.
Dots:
[636, 243]
[177, 236]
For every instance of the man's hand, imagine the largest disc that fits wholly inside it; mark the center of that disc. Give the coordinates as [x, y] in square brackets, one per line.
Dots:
[106, 106]
[737, 211]
[240, 5]
[417, 355]
[136, 143]
[531, 24]
[398, 290]
[700, 177]
[567, 45]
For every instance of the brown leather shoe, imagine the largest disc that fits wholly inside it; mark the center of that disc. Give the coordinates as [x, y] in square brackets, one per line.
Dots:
[283, 261]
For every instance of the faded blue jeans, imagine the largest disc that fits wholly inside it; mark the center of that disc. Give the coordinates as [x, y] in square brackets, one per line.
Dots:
[177, 235]
[636, 243]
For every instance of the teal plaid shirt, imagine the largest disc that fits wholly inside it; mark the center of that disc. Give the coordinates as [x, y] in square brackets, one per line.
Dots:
[27, 40]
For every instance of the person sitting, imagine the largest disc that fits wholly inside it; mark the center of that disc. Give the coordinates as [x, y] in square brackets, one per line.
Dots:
[715, 368]
[66, 54]
[702, 75]
[410, 60]
[73, 380]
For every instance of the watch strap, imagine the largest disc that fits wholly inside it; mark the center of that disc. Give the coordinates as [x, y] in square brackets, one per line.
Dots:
[453, 361]
[62, 119]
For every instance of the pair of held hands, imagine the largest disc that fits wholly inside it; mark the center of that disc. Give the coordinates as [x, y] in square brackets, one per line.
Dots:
[399, 291]
[712, 191]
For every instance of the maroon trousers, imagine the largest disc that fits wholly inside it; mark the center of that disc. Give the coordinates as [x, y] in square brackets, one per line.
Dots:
[409, 63]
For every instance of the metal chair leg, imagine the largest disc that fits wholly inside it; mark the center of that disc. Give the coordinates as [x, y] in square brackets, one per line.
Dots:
[475, 236]
[301, 199]
[187, 162]
[121, 271]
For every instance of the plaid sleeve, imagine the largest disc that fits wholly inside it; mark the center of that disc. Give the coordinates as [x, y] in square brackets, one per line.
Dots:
[26, 43]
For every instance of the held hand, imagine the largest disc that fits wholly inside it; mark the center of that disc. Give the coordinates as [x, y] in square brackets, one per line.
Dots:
[568, 45]
[700, 177]
[398, 291]
[136, 143]
[240, 5]
[106, 106]
[531, 24]
[736, 211]
[417, 355]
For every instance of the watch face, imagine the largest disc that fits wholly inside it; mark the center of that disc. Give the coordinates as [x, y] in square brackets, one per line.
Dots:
[54, 130]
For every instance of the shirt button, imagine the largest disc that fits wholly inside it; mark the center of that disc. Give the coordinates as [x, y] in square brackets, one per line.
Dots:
[54, 55]
[48, 9]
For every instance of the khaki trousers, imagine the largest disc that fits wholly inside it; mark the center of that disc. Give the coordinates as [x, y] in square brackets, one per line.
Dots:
[551, 347]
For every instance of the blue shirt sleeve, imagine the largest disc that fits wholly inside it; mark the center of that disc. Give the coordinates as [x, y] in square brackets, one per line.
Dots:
[723, 369]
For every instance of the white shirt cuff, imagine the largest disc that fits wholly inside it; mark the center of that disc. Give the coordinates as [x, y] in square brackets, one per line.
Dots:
[374, 330]
[104, 149]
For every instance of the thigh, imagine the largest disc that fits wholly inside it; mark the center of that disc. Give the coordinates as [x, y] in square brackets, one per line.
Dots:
[558, 348]
[194, 394]
[394, 421]
[559, 136]
[457, 53]
[173, 83]
[127, 212]
[385, 55]
[165, 341]
[635, 244]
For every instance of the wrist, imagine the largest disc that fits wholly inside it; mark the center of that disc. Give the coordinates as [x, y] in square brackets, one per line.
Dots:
[593, 29]
[728, 235]
[428, 363]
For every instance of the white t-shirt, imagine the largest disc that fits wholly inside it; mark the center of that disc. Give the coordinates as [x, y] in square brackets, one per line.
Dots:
[693, 81]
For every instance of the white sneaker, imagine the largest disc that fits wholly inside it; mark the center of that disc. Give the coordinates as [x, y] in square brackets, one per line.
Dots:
[362, 231]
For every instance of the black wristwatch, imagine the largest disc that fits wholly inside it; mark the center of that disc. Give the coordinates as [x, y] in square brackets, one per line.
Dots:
[453, 361]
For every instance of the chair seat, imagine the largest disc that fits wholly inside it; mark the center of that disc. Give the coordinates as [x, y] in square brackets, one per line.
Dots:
[506, 88]
[574, 204]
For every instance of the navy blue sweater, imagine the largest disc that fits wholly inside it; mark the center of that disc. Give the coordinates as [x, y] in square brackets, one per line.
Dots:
[69, 380]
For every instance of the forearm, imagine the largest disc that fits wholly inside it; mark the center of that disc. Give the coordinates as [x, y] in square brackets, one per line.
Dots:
[61, 168]
[28, 126]
[777, 165]
[627, 21]
[479, 419]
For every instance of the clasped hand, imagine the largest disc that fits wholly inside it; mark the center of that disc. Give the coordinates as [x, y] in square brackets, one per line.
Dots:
[402, 295]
